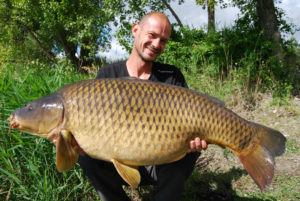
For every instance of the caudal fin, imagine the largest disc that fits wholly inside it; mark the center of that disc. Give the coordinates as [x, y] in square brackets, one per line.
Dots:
[259, 161]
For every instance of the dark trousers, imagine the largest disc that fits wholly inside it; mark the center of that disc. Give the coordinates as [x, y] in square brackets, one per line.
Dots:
[168, 179]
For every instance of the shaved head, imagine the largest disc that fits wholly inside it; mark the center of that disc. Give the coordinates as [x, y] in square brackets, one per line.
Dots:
[157, 15]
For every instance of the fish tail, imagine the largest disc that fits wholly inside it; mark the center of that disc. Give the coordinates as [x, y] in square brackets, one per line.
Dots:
[258, 160]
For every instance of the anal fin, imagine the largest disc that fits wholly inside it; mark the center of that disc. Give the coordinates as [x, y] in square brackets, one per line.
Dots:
[66, 155]
[130, 174]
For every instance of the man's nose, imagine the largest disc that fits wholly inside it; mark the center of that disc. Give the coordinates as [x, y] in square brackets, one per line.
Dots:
[156, 43]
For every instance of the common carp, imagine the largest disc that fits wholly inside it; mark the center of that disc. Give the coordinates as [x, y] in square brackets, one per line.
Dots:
[131, 123]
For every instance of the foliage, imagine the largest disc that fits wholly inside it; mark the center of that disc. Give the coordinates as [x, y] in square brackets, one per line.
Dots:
[242, 55]
[249, 18]
[206, 3]
[49, 27]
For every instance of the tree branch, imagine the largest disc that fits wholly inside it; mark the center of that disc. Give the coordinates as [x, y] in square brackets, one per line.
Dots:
[173, 13]
[49, 54]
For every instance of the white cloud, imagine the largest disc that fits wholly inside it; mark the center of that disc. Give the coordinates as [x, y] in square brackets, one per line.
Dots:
[115, 53]
[291, 8]
[194, 16]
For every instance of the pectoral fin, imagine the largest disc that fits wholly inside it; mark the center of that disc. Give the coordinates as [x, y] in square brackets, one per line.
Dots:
[129, 173]
[66, 155]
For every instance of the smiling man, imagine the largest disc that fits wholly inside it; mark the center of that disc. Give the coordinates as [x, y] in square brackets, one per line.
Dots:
[151, 35]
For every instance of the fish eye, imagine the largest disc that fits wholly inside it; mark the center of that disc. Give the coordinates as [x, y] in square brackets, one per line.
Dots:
[29, 107]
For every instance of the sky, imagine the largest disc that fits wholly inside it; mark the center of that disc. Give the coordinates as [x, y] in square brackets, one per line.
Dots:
[194, 16]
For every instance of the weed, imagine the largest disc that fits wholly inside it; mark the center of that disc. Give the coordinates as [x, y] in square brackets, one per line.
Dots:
[292, 146]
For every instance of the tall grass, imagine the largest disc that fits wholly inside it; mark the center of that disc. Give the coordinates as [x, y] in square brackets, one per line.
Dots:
[27, 165]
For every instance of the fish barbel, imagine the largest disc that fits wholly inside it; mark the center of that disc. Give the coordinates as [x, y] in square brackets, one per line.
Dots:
[132, 123]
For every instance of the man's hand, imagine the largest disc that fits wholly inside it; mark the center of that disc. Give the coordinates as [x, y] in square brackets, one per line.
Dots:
[73, 143]
[197, 145]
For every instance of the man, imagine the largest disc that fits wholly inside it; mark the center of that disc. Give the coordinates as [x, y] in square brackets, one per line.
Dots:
[151, 35]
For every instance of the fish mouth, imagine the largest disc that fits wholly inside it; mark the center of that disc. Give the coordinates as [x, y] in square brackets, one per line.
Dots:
[13, 122]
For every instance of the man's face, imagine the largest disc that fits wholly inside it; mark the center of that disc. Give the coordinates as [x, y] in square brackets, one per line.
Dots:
[151, 38]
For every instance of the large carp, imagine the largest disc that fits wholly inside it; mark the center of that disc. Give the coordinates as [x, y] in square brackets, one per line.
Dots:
[132, 123]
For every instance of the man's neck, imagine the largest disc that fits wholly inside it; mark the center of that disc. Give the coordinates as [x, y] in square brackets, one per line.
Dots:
[138, 68]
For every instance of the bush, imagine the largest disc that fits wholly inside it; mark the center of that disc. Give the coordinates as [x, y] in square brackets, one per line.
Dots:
[230, 55]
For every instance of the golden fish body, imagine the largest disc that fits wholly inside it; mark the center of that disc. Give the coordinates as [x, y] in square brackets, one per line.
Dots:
[114, 119]
[132, 123]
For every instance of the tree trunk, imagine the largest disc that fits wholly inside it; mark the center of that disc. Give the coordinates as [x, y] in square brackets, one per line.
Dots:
[268, 23]
[69, 48]
[211, 16]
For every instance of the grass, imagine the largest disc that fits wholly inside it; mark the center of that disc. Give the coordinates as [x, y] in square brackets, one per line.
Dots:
[292, 146]
[27, 165]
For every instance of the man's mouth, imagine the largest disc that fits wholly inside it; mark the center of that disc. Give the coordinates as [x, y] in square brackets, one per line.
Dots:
[153, 50]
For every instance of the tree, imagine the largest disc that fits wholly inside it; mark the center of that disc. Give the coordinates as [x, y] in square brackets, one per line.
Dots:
[211, 16]
[76, 28]
[268, 23]
[210, 4]
[265, 17]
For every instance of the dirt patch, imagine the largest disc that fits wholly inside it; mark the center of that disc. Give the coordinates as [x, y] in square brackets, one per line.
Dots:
[288, 165]
[286, 119]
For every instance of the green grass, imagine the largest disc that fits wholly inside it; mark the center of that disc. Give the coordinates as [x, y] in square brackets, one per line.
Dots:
[292, 146]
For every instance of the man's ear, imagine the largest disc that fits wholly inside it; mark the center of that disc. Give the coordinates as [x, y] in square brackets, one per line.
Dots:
[135, 29]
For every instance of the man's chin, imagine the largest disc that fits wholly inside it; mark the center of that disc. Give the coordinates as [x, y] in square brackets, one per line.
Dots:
[148, 58]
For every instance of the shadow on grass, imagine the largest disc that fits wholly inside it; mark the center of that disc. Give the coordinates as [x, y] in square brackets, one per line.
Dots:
[214, 186]
[207, 185]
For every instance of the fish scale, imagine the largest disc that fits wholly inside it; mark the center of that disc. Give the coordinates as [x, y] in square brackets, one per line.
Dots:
[131, 122]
